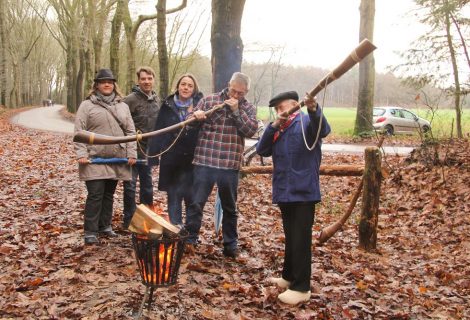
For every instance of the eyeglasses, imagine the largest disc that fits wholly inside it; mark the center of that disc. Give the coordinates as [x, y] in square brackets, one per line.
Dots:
[237, 93]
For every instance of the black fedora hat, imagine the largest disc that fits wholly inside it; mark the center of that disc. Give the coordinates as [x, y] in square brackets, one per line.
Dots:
[288, 95]
[104, 74]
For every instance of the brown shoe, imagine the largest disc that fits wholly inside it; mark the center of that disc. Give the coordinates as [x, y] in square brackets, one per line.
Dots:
[230, 252]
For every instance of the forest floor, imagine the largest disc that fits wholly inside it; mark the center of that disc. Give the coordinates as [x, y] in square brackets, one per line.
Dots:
[421, 269]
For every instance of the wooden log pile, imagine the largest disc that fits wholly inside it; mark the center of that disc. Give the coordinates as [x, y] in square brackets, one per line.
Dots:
[145, 221]
[326, 170]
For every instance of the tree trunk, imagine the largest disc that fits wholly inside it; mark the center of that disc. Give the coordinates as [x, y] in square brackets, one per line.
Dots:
[455, 69]
[3, 54]
[370, 199]
[227, 45]
[80, 76]
[162, 49]
[114, 40]
[98, 36]
[69, 83]
[14, 93]
[365, 101]
[130, 51]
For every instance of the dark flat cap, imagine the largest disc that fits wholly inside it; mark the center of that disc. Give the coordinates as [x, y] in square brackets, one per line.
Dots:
[104, 74]
[288, 95]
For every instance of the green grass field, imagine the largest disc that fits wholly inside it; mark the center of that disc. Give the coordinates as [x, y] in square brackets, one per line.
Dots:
[342, 120]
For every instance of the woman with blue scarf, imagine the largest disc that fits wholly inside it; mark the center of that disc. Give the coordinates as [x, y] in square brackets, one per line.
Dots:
[176, 168]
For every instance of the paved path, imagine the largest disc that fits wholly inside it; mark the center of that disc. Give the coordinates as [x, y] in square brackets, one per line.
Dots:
[49, 118]
[44, 118]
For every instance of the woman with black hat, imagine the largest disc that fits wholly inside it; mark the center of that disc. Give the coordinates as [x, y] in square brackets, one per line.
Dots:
[176, 168]
[103, 112]
[294, 142]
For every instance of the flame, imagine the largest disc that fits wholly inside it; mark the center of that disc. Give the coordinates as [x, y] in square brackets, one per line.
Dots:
[163, 264]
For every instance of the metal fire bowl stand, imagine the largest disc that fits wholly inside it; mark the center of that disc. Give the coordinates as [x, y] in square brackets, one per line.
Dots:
[158, 261]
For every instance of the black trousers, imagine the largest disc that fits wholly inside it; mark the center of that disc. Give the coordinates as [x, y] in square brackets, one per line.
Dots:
[297, 220]
[99, 204]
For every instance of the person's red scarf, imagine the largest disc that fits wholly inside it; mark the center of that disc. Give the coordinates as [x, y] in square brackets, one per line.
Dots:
[284, 126]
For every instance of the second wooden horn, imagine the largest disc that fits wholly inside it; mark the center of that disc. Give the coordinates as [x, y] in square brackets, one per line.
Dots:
[360, 52]
[88, 137]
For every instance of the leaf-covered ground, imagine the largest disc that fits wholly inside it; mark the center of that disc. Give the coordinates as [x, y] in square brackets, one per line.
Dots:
[420, 271]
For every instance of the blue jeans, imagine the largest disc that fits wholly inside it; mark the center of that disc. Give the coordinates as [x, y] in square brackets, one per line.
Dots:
[146, 190]
[99, 204]
[227, 182]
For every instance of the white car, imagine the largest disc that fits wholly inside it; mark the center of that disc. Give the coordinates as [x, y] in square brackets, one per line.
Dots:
[393, 120]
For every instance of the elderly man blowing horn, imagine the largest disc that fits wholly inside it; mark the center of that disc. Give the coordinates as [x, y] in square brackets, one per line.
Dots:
[294, 142]
[218, 156]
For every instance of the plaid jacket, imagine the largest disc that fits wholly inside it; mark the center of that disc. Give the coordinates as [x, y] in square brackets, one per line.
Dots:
[221, 139]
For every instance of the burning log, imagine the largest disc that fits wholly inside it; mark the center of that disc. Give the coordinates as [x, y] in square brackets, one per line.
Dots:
[326, 170]
[145, 221]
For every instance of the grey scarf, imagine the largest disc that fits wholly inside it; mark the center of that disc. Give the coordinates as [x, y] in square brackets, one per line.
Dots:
[106, 99]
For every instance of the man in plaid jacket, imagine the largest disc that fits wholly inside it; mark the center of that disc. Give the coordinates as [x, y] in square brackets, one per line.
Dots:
[218, 156]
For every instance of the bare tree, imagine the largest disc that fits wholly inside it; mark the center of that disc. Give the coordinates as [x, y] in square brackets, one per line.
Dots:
[184, 39]
[265, 75]
[20, 51]
[435, 57]
[131, 29]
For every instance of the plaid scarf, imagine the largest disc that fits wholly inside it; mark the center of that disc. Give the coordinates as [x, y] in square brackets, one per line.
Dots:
[284, 126]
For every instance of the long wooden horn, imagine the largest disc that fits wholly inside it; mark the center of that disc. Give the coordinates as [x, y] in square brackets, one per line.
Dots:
[88, 137]
[360, 52]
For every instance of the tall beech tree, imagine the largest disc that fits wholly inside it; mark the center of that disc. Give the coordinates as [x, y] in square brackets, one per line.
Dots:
[3, 52]
[365, 101]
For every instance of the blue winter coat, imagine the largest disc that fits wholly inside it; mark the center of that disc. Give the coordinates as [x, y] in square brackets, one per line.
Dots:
[296, 169]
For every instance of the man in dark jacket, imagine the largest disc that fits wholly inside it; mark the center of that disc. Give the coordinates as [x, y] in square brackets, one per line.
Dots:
[294, 142]
[144, 107]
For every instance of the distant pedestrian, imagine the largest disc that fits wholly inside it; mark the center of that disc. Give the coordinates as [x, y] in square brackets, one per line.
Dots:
[144, 107]
[176, 168]
[103, 112]
[296, 186]
[219, 155]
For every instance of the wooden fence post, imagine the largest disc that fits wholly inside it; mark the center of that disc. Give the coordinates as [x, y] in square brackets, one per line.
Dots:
[370, 199]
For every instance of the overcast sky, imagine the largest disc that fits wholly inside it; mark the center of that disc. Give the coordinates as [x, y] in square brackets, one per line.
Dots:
[323, 33]
[318, 33]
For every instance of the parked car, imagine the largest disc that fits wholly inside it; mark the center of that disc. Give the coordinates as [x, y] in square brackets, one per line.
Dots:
[393, 120]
